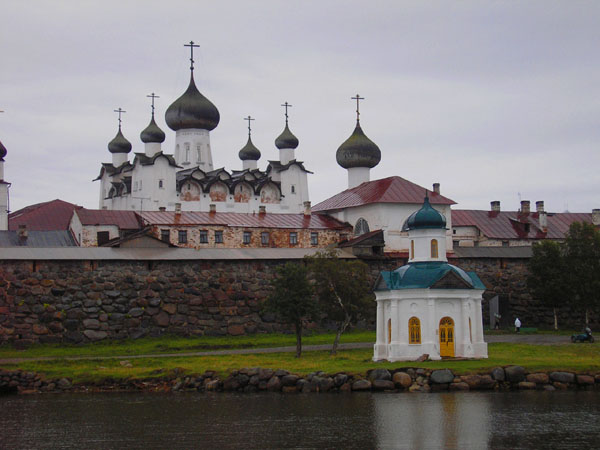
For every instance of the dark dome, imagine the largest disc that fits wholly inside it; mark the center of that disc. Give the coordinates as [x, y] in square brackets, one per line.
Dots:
[192, 110]
[152, 133]
[249, 152]
[286, 139]
[2, 151]
[426, 217]
[358, 151]
[119, 144]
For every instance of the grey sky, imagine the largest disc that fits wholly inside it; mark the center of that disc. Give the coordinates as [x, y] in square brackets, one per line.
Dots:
[489, 98]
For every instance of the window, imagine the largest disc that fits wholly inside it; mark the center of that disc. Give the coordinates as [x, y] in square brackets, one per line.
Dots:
[247, 237]
[182, 234]
[361, 227]
[293, 238]
[264, 238]
[470, 331]
[314, 238]
[412, 249]
[218, 237]
[203, 237]
[389, 331]
[165, 235]
[140, 185]
[293, 189]
[187, 152]
[414, 330]
[434, 248]
[199, 153]
[101, 236]
[135, 185]
[160, 184]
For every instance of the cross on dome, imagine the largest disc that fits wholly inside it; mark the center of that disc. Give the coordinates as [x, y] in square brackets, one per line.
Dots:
[191, 45]
[152, 96]
[286, 105]
[249, 119]
[119, 111]
[357, 98]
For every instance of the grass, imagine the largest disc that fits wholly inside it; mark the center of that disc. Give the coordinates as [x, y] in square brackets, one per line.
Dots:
[576, 358]
[178, 344]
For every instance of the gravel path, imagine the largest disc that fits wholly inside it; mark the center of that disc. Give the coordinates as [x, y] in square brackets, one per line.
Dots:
[543, 339]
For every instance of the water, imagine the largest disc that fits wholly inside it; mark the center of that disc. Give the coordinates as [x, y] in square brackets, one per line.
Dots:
[473, 420]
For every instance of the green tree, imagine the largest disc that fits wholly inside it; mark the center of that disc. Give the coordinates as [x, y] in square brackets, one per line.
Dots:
[343, 289]
[293, 299]
[548, 276]
[583, 266]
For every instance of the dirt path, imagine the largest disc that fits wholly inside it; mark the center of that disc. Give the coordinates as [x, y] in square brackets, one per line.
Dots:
[538, 339]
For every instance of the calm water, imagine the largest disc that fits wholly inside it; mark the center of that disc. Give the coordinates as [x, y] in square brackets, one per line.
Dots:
[517, 420]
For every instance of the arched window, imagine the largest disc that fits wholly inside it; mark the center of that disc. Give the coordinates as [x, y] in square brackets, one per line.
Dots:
[187, 152]
[434, 248]
[199, 153]
[414, 330]
[361, 227]
[389, 331]
[412, 249]
[470, 331]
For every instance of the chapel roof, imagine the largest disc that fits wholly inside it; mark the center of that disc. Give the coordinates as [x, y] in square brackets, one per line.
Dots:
[425, 275]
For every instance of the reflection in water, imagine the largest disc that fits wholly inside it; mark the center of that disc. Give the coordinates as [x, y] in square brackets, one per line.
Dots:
[362, 420]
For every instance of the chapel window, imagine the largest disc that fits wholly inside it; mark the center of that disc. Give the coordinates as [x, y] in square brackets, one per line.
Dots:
[361, 227]
[414, 330]
[187, 152]
[160, 184]
[412, 249]
[389, 330]
[293, 189]
[434, 248]
[199, 153]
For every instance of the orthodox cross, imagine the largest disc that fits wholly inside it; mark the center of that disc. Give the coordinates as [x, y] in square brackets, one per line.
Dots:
[286, 105]
[249, 119]
[191, 45]
[152, 96]
[357, 98]
[119, 111]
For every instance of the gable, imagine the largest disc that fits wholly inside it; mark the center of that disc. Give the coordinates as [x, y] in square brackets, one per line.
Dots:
[451, 280]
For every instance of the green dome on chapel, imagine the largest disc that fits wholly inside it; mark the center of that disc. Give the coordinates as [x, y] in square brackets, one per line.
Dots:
[426, 217]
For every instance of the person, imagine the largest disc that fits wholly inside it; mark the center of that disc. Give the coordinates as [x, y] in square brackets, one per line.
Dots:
[587, 330]
[497, 321]
[517, 325]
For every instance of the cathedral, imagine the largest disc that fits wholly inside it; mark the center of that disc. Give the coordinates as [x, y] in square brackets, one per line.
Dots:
[187, 180]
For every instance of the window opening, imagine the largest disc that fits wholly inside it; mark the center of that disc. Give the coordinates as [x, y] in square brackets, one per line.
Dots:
[182, 234]
[165, 235]
[247, 237]
[264, 238]
[218, 237]
[314, 238]
[414, 330]
[434, 248]
[203, 237]
[293, 238]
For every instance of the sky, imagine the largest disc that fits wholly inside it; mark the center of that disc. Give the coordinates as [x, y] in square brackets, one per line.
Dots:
[495, 100]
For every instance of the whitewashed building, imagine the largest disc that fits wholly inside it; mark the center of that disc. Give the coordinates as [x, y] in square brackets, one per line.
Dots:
[428, 306]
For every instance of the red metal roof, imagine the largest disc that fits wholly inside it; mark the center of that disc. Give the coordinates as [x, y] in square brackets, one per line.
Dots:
[187, 218]
[386, 190]
[125, 220]
[507, 224]
[47, 216]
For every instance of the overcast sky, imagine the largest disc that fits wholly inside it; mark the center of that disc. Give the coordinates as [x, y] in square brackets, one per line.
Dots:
[492, 99]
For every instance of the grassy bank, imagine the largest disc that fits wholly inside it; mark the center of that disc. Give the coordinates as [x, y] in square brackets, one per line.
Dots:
[575, 358]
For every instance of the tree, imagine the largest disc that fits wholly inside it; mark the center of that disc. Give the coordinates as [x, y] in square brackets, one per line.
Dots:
[292, 299]
[342, 288]
[547, 279]
[583, 264]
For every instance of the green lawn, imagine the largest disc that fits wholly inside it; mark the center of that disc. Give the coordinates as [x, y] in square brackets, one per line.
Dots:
[576, 358]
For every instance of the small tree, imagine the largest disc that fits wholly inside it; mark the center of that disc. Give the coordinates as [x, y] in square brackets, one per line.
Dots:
[343, 289]
[583, 264]
[548, 276]
[293, 299]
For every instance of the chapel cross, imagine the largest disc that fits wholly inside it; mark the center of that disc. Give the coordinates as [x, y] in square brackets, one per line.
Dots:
[191, 45]
[119, 111]
[249, 119]
[286, 105]
[357, 98]
[152, 96]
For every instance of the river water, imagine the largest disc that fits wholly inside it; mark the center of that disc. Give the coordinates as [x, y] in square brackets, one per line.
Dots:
[470, 420]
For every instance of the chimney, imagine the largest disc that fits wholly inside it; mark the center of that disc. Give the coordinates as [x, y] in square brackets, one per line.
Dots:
[539, 206]
[213, 208]
[543, 218]
[162, 208]
[262, 209]
[177, 209]
[307, 210]
[525, 206]
[495, 206]
[436, 188]
[22, 232]
[596, 217]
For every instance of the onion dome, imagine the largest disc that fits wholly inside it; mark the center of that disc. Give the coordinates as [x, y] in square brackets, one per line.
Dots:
[2, 151]
[119, 144]
[152, 133]
[286, 139]
[358, 151]
[192, 110]
[249, 152]
[426, 217]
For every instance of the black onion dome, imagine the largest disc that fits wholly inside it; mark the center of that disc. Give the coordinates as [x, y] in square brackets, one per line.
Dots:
[192, 110]
[249, 152]
[2, 151]
[119, 144]
[286, 139]
[358, 151]
[152, 133]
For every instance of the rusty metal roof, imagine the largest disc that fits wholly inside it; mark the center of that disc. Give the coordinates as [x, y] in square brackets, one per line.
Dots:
[512, 224]
[59, 238]
[492, 252]
[125, 220]
[267, 220]
[46, 216]
[386, 190]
